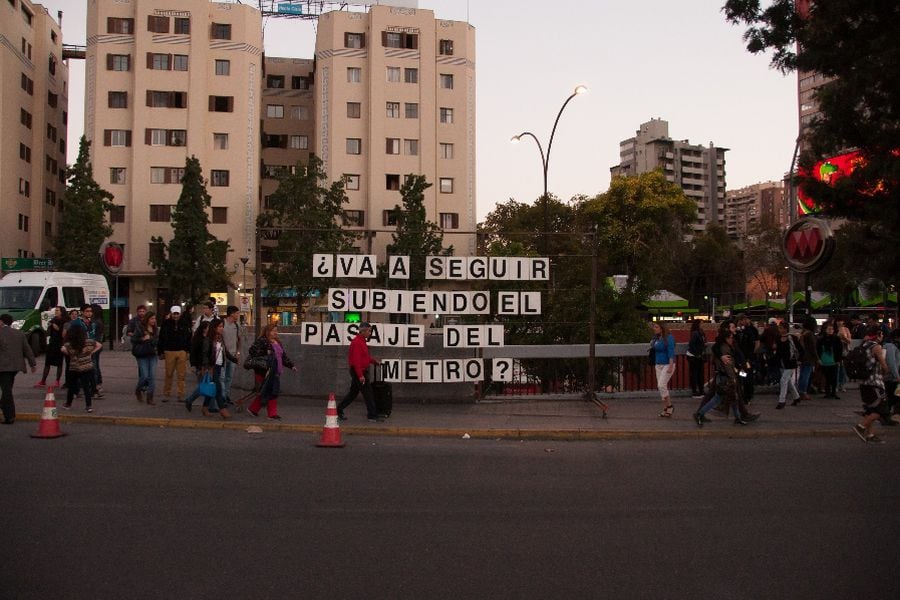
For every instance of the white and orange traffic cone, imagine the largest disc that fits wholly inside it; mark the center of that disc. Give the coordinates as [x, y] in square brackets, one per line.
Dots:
[49, 426]
[331, 432]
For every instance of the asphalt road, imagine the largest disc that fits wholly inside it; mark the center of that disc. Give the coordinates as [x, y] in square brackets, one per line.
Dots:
[121, 512]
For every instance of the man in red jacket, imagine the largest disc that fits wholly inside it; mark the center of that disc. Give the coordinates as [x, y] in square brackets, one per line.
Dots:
[359, 360]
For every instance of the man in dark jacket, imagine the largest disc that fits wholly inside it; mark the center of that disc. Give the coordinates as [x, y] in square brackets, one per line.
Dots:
[174, 346]
[14, 351]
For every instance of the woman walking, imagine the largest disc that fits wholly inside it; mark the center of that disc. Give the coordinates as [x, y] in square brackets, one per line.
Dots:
[54, 357]
[143, 347]
[808, 357]
[830, 351]
[80, 350]
[663, 347]
[195, 358]
[727, 383]
[695, 352]
[786, 354]
[214, 357]
[269, 381]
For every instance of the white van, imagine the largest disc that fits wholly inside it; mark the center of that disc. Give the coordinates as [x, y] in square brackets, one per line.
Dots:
[30, 297]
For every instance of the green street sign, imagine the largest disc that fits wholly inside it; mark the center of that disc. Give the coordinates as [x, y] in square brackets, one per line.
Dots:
[27, 264]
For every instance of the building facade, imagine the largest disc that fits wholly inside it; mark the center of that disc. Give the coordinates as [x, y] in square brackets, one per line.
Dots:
[749, 207]
[166, 81]
[33, 118]
[698, 170]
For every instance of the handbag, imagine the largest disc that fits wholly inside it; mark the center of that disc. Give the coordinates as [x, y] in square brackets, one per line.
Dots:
[207, 387]
[256, 363]
[143, 349]
[651, 355]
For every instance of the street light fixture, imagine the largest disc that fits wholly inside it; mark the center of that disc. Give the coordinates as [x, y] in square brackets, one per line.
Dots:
[545, 158]
[245, 260]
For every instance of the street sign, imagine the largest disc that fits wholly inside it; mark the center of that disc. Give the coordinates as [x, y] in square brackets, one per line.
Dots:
[808, 244]
[27, 264]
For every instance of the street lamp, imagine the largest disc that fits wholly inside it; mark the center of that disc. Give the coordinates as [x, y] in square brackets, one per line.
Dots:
[545, 158]
[245, 260]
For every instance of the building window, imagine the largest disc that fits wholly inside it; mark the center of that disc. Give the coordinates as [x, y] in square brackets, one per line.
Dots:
[156, 252]
[354, 74]
[25, 187]
[449, 220]
[446, 150]
[446, 81]
[51, 132]
[411, 75]
[117, 25]
[161, 213]
[23, 222]
[166, 174]
[445, 185]
[117, 175]
[354, 40]
[446, 115]
[165, 137]
[27, 84]
[182, 25]
[117, 137]
[159, 62]
[117, 99]
[219, 215]
[393, 39]
[393, 74]
[48, 229]
[275, 111]
[392, 146]
[157, 24]
[162, 99]
[220, 141]
[392, 182]
[117, 214]
[411, 147]
[299, 82]
[354, 146]
[25, 118]
[299, 142]
[50, 197]
[51, 164]
[393, 110]
[411, 110]
[118, 62]
[355, 218]
[52, 100]
[390, 217]
[351, 181]
[220, 31]
[445, 47]
[354, 110]
[180, 62]
[223, 67]
[275, 81]
[24, 152]
[300, 113]
[274, 141]
[221, 103]
[218, 178]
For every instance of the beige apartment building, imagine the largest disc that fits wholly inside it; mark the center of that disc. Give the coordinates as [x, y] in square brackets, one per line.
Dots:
[749, 207]
[698, 170]
[33, 117]
[166, 81]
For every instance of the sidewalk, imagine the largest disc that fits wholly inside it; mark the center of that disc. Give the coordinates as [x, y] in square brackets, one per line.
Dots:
[632, 417]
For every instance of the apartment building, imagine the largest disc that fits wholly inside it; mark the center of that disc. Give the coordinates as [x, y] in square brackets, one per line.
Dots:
[748, 207]
[33, 117]
[166, 81]
[698, 170]
[395, 95]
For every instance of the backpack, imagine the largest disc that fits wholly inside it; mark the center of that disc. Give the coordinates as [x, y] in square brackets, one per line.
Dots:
[856, 363]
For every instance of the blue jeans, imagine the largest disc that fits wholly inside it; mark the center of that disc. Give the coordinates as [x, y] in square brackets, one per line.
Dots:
[227, 378]
[803, 378]
[146, 374]
[213, 403]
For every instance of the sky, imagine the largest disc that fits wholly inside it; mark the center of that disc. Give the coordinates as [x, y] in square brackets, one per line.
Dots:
[679, 61]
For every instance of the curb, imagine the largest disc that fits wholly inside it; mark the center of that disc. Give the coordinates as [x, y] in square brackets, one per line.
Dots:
[572, 435]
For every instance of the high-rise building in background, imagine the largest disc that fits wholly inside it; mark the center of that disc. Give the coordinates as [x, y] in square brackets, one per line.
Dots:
[750, 207]
[33, 118]
[390, 92]
[698, 170]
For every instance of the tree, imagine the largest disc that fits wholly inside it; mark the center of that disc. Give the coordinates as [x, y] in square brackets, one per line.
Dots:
[764, 262]
[304, 216]
[855, 46]
[416, 236]
[192, 263]
[83, 225]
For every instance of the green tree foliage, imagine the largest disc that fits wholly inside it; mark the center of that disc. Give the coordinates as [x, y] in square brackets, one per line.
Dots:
[416, 236]
[304, 216]
[764, 262]
[192, 263]
[83, 225]
[853, 43]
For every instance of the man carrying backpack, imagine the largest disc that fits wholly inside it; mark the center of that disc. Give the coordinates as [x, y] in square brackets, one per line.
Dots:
[875, 404]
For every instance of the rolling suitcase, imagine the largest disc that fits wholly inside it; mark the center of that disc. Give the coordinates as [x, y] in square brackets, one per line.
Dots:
[383, 394]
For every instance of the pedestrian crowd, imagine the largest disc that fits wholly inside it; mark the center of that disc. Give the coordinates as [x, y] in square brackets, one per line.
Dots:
[814, 359]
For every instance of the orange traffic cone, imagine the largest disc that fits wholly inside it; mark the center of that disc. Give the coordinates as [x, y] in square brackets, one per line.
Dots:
[49, 425]
[331, 432]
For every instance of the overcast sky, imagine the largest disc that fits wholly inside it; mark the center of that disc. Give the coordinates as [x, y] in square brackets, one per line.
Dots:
[679, 61]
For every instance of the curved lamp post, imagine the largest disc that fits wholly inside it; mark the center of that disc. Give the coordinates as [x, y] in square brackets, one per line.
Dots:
[545, 158]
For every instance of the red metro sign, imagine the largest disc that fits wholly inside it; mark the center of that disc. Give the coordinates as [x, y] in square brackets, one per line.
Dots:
[808, 244]
[111, 257]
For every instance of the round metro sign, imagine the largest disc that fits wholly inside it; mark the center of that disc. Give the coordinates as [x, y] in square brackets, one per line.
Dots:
[111, 257]
[808, 244]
